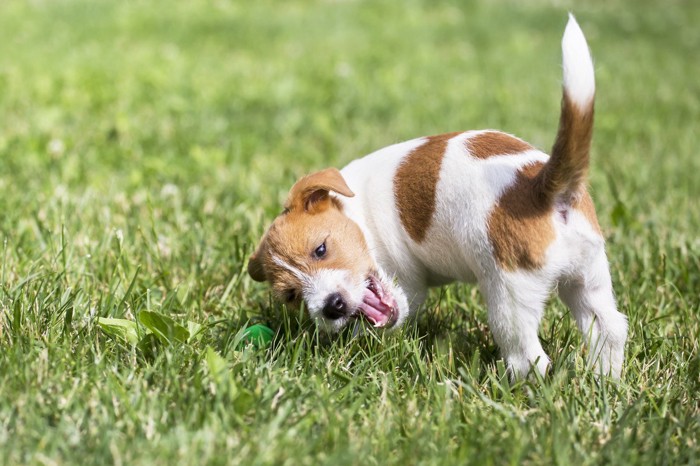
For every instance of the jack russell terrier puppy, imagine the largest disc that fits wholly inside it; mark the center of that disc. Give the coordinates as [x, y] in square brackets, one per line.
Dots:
[477, 206]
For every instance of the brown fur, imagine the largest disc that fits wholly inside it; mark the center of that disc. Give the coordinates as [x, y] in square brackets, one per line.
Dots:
[295, 236]
[311, 217]
[313, 188]
[415, 183]
[490, 143]
[520, 226]
[565, 173]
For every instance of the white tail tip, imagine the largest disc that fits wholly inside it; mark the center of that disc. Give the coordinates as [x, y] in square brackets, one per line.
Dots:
[579, 79]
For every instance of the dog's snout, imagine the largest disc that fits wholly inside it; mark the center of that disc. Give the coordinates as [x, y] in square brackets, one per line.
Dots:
[334, 307]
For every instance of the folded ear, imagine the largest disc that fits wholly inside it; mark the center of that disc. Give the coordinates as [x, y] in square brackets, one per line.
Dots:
[311, 192]
[256, 267]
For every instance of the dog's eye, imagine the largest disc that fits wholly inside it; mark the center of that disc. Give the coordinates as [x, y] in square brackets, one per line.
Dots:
[290, 295]
[320, 251]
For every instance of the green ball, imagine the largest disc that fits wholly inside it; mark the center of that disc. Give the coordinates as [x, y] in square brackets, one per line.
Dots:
[259, 335]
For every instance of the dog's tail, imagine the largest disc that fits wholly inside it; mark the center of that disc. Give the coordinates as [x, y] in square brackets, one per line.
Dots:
[563, 178]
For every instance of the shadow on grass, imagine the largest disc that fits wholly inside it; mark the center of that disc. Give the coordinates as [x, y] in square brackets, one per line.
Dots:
[444, 328]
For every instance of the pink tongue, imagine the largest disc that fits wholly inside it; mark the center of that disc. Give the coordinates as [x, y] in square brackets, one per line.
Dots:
[375, 309]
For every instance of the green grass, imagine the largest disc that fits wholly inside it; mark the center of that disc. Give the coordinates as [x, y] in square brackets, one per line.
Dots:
[145, 146]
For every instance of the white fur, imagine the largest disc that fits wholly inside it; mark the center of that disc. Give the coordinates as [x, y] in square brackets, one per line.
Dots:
[325, 282]
[466, 192]
[318, 286]
[579, 79]
[322, 284]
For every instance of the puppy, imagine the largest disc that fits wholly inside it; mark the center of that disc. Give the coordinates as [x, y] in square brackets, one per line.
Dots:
[477, 206]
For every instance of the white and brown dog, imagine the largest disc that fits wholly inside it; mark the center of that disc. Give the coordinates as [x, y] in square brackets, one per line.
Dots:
[484, 206]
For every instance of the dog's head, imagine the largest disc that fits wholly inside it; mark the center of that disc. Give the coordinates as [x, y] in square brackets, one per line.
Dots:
[314, 253]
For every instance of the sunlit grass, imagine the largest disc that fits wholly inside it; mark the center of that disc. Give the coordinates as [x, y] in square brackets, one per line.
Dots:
[144, 147]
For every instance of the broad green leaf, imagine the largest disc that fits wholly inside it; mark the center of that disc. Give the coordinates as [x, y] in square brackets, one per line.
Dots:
[120, 329]
[164, 327]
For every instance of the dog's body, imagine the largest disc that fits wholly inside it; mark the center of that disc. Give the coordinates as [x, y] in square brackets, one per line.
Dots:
[478, 206]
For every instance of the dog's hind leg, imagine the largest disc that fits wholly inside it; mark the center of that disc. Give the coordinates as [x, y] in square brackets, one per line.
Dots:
[590, 298]
[515, 307]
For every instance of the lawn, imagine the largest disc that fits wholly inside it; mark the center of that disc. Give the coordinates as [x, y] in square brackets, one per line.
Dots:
[145, 146]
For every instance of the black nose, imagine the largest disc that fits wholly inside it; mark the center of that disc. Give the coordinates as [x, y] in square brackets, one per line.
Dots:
[335, 307]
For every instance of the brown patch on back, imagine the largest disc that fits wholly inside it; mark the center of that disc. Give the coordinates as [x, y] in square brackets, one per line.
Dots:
[415, 183]
[520, 226]
[490, 143]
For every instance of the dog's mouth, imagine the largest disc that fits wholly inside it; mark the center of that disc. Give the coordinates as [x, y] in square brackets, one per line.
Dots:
[378, 304]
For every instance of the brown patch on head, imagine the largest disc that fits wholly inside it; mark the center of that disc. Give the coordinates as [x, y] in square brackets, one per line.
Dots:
[584, 204]
[520, 226]
[294, 238]
[311, 195]
[287, 253]
[415, 183]
[490, 143]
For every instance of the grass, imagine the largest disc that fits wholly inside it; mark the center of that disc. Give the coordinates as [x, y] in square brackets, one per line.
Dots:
[144, 147]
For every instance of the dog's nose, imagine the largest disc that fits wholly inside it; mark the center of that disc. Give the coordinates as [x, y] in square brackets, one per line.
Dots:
[334, 307]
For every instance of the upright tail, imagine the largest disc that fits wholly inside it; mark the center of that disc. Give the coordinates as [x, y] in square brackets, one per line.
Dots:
[564, 175]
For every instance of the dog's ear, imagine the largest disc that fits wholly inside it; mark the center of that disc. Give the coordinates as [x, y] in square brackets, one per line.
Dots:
[311, 192]
[256, 266]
